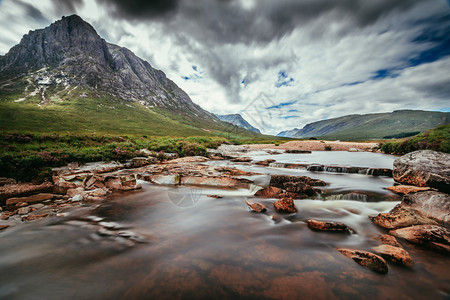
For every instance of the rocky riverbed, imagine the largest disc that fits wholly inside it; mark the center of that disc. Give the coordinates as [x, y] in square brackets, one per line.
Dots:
[279, 209]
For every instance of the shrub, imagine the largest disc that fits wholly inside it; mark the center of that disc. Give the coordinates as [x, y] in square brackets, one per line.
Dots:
[328, 148]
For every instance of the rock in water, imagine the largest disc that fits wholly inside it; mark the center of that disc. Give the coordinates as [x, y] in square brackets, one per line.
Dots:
[285, 205]
[329, 226]
[423, 234]
[395, 254]
[424, 168]
[366, 259]
[401, 216]
[269, 192]
[432, 204]
[387, 239]
[256, 207]
[280, 180]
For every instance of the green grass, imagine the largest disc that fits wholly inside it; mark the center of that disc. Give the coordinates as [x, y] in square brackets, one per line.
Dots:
[435, 139]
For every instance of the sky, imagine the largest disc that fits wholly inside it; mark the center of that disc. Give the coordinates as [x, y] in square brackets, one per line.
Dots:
[280, 63]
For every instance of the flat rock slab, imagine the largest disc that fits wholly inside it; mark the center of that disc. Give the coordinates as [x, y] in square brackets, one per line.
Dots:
[280, 180]
[395, 254]
[401, 216]
[270, 192]
[406, 189]
[30, 199]
[424, 168]
[423, 234]
[366, 259]
[329, 226]
[387, 239]
[432, 204]
[256, 207]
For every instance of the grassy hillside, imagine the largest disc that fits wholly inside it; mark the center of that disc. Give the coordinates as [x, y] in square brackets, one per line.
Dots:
[436, 139]
[375, 126]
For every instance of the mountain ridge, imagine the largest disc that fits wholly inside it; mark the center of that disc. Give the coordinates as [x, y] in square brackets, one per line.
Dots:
[371, 126]
[238, 120]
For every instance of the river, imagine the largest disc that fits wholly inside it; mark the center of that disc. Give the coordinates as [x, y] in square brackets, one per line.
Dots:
[168, 242]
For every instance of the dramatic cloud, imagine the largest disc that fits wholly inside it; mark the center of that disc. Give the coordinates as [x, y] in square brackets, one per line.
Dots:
[280, 63]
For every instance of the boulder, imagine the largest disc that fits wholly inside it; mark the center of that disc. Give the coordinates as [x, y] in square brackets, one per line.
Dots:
[329, 226]
[297, 151]
[269, 192]
[424, 168]
[432, 204]
[285, 205]
[72, 192]
[406, 189]
[256, 207]
[395, 254]
[387, 239]
[30, 199]
[280, 180]
[423, 234]
[242, 159]
[401, 216]
[366, 259]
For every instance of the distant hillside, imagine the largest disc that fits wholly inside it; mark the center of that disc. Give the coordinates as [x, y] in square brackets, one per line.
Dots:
[372, 126]
[238, 120]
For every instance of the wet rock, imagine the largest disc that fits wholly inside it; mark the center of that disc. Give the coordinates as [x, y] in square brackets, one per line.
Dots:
[366, 259]
[256, 207]
[34, 217]
[395, 254]
[265, 163]
[216, 157]
[137, 162]
[401, 216]
[285, 205]
[329, 226]
[72, 192]
[270, 192]
[77, 198]
[15, 190]
[297, 151]
[424, 168]
[349, 196]
[423, 234]
[387, 239]
[406, 189]
[432, 204]
[31, 199]
[37, 206]
[3, 227]
[99, 192]
[299, 188]
[24, 210]
[215, 196]
[93, 181]
[216, 181]
[187, 159]
[280, 180]
[242, 159]
[164, 179]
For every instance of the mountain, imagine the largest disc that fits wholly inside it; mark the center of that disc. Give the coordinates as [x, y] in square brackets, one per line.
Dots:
[399, 123]
[238, 120]
[66, 77]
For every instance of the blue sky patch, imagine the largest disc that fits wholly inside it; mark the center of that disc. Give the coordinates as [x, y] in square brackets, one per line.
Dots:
[289, 117]
[281, 105]
[283, 79]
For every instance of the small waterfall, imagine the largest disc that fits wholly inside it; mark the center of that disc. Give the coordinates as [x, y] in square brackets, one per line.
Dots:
[349, 196]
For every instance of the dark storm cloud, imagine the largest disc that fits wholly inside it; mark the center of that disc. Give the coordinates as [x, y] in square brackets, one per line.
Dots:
[141, 9]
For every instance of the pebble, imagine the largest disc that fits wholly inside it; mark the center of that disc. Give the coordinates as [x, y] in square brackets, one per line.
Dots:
[24, 210]
[37, 206]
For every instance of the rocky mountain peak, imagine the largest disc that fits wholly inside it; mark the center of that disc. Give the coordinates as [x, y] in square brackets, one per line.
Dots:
[69, 52]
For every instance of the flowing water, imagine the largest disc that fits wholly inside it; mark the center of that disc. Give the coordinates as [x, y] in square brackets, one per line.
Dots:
[176, 242]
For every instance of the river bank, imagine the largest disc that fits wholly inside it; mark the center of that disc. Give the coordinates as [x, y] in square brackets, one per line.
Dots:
[195, 217]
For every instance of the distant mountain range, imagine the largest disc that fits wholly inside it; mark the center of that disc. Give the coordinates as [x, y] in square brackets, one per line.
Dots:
[65, 77]
[238, 120]
[400, 123]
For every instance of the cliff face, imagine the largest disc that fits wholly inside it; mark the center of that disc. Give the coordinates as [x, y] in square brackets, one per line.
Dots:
[70, 52]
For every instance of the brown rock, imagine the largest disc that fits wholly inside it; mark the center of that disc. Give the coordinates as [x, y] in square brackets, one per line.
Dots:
[297, 151]
[217, 181]
[432, 204]
[406, 189]
[424, 168]
[113, 183]
[366, 259]
[329, 226]
[395, 254]
[34, 217]
[285, 205]
[299, 188]
[24, 210]
[242, 159]
[423, 234]
[14, 190]
[387, 239]
[256, 207]
[401, 216]
[280, 180]
[269, 192]
[215, 196]
[30, 199]
[3, 227]
[265, 162]
[73, 192]
[439, 247]
[187, 159]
